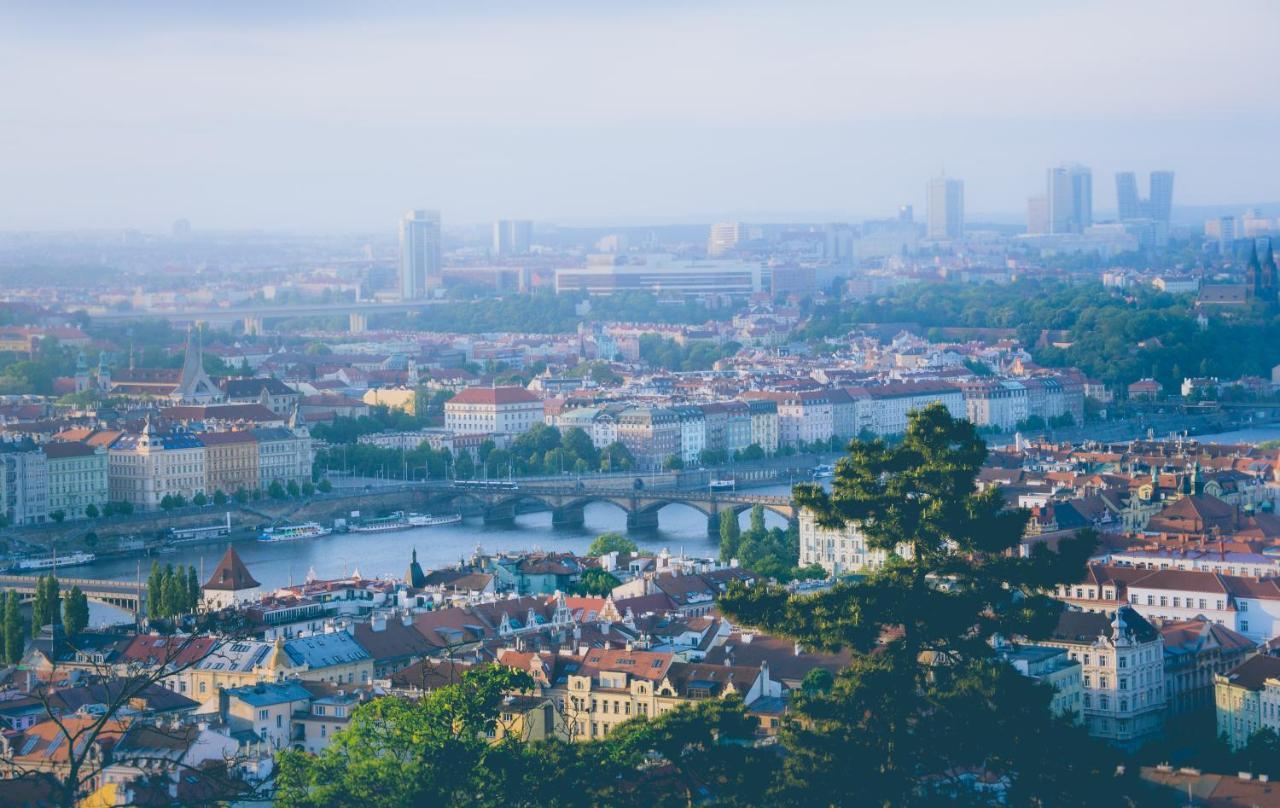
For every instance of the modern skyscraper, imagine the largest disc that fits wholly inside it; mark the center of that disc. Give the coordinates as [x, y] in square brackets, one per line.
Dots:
[724, 237]
[1070, 194]
[1160, 205]
[946, 209]
[1037, 215]
[419, 253]
[512, 236]
[1130, 203]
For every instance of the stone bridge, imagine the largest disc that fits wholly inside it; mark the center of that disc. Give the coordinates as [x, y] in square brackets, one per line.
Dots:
[500, 501]
[122, 595]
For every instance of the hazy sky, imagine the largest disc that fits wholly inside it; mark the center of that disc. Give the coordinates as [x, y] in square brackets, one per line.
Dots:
[340, 115]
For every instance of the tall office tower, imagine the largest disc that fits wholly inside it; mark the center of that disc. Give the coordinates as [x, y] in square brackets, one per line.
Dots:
[419, 253]
[1070, 193]
[1037, 215]
[946, 209]
[1226, 234]
[1128, 203]
[906, 213]
[1160, 205]
[724, 237]
[512, 236]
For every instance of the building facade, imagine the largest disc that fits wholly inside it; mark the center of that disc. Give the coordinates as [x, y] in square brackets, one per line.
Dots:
[77, 477]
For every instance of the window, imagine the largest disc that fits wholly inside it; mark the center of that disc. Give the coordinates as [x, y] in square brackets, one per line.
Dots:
[262, 715]
[1244, 625]
[1244, 605]
[1122, 661]
[1150, 600]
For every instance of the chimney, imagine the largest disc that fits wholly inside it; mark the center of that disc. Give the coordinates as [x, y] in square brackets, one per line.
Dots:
[378, 623]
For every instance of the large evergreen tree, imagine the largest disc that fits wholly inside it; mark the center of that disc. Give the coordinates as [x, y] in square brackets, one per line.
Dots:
[14, 634]
[729, 535]
[75, 612]
[155, 591]
[193, 589]
[924, 700]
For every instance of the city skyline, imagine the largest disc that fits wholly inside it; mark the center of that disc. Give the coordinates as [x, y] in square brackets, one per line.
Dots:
[242, 118]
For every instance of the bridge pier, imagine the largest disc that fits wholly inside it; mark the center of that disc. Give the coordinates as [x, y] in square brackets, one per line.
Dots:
[502, 514]
[713, 525]
[358, 322]
[568, 516]
[642, 520]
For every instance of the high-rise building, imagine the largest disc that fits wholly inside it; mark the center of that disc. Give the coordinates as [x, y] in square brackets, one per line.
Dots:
[906, 213]
[1070, 194]
[1160, 205]
[419, 253]
[1037, 215]
[512, 237]
[1128, 202]
[1226, 231]
[946, 209]
[1131, 205]
[724, 237]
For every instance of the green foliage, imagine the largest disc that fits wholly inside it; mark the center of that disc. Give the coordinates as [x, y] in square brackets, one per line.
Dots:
[666, 353]
[14, 631]
[91, 511]
[730, 532]
[1115, 336]
[818, 680]
[434, 752]
[596, 582]
[324, 486]
[612, 542]
[616, 457]
[241, 496]
[275, 490]
[219, 497]
[924, 693]
[752, 452]
[75, 612]
[673, 463]
[193, 589]
[44, 608]
[58, 516]
[200, 500]
[292, 489]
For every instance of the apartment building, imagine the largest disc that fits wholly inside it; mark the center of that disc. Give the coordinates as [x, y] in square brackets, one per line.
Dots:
[999, 403]
[77, 477]
[24, 487]
[494, 410]
[840, 551]
[1122, 673]
[1247, 699]
[144, 468]
[231, 461]
[651, 434]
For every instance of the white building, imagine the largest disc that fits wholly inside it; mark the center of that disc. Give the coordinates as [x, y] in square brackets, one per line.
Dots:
[77, 476]
[1122, 659]
[24, 488]
[883, 410]
[946, 209]
[498, 410]
[143, 469]
[999, 403]
[841, 551]
[419, 253]
[1248, 699]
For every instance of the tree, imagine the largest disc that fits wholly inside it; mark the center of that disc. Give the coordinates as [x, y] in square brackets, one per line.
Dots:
[612, 542]
[396, 752]
[14, 634]
[171, 593]
[45, 605]
[167, 502]
[193, 589]
[179, 501]
[818, 680]
[464, 468]
[324, 486]
[757, 519]
[57, 516]
[241, 496]
[730, 532]
[924, 694]
[616, 457]
[293, 489]
[75, 612]
[580, 446]
[673, 463]
[155, 591]
[596, 582]
[219, 498]
[308, 488]
[91, 511]
[752, 452]
[275, 490]
[199, 500]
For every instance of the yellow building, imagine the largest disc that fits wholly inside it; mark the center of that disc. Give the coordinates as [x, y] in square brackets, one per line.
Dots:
[595, 692]
[397, 398]
[230, 461]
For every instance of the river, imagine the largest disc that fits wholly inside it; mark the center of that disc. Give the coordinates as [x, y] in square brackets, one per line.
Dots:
[680, 529]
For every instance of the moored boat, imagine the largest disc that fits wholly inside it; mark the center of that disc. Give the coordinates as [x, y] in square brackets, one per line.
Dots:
[305, 530]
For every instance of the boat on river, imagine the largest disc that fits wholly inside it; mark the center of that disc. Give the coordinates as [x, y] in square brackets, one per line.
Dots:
[429, 520]
[304, 530]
